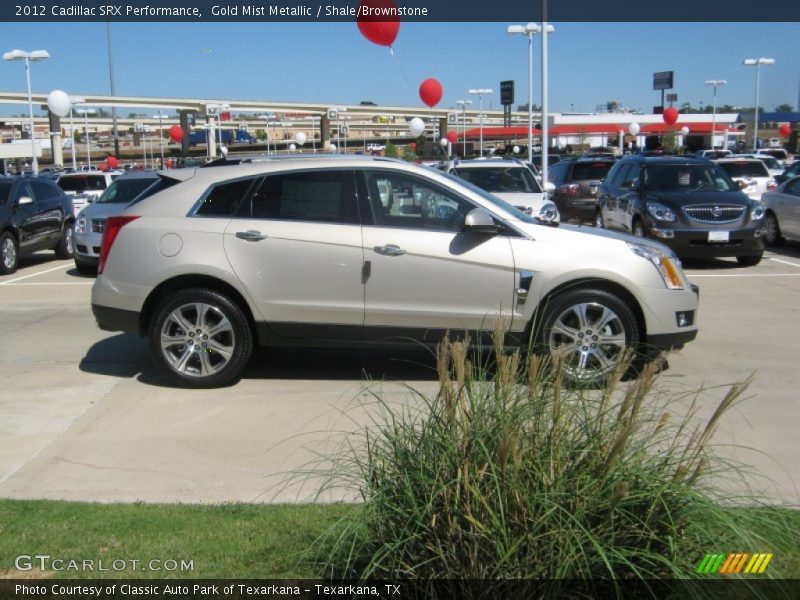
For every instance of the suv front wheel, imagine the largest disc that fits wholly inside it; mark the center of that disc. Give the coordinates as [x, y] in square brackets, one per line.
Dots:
[591, 329]
[200, 338]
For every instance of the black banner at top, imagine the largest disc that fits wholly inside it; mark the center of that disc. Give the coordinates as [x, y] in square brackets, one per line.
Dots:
[403, 10]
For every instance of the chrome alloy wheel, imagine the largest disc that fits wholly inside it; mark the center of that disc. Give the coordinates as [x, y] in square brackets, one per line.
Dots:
[591, 339]
[9, 252]
[68, 240]
[197, 339]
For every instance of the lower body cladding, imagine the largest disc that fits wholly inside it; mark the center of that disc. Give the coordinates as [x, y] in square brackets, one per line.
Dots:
[86, 249]
[577, 209]
[710, 243]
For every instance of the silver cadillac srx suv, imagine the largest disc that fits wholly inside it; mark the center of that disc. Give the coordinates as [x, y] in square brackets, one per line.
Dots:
[305, 251]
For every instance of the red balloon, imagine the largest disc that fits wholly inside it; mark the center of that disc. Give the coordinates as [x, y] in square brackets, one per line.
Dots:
[374, 27]
[176, 133]
[103, 167]
[169, 163]
[670, 115]
[785, 130]
[413, 145]
[431, 92]
[112, 162]
[452, 137]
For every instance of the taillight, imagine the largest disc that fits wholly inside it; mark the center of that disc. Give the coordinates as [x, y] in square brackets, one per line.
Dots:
[570, 189]
[771, 185]
[113, 226]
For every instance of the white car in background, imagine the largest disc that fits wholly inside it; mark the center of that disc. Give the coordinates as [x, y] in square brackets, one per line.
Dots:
[86, 186]
[509, 180]
[773, 166]
[751, 174]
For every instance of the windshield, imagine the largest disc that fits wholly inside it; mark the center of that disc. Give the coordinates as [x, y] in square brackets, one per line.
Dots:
[501, 179]
[502, 204]
[754, 168]
[82, 183]
[124, 190]
[687, 178]
[5, 190]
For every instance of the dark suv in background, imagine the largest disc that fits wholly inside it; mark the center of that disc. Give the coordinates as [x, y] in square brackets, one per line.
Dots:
[576, 181]
[35, 214]
[690, 204]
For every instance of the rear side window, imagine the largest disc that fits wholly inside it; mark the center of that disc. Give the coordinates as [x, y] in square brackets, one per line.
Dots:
[223, 199]
[321, 196]
[82, 183]
[123, 191]
[5, 190]
[755, 168]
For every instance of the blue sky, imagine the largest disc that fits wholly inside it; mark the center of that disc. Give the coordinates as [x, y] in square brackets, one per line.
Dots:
[590, 63]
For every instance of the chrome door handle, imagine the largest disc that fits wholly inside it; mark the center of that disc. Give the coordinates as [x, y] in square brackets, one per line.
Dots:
[251, 235]
[389, 250]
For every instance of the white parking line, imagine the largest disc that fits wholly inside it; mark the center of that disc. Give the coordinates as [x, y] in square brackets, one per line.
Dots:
[692, 276]
[63, 283]
[785, 262]
[35, 274]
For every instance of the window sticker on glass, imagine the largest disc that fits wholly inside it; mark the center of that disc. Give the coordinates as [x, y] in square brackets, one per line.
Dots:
[684, 177]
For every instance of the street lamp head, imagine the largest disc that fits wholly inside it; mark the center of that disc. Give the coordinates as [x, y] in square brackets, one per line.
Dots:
[77, 100]
[39, 55]
[766, 61]
[515, 30]
[15, 55]
[716, 82]
[534, 28]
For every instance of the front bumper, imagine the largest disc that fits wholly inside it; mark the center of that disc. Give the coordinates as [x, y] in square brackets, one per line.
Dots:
[86, 247]
[694, 243]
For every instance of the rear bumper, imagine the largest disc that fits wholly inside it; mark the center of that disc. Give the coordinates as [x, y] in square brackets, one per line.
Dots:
[116, 319]
[577, 208]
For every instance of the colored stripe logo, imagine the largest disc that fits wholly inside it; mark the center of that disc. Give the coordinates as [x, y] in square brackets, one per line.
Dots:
[734, 562]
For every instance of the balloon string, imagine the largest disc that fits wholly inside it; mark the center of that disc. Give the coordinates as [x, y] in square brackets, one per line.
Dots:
[400, 66]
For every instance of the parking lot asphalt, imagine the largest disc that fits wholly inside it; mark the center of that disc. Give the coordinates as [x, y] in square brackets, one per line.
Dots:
[84, 416]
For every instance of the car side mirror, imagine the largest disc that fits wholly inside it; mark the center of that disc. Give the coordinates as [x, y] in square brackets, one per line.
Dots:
[549, 187]
[742, 184]
[23, 200]
[480, 221]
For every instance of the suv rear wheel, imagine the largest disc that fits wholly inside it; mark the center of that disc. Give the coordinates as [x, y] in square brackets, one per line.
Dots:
[598, 220]
[749, 261]
[64, 248]
[772, 231]
[591, 328]
[200, 338]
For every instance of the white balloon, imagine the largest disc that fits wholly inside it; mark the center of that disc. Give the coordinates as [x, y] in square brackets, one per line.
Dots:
[633, 129]
[292, 147]
[333, 147]
[684, 130]
[416, 126]
[301, 138]
[443, 142]
[223, 150]
[59, 103]
[515, 149]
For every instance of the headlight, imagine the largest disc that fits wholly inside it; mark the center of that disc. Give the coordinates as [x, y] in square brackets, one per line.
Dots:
[669, 267]
[549, 213]
[756, 211]
[80, 225]
[660, 211]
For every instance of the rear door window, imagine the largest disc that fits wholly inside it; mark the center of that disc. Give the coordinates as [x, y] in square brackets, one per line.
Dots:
[596, 170]
[5, 191]
[754, 168]
[224, 199]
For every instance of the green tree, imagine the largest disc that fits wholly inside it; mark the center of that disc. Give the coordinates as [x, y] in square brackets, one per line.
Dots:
[391, 150]
[784, 108]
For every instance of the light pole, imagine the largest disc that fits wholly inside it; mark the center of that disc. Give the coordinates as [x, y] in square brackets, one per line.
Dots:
[480, 93]
[86, 112]
[73, 102]
[29, 57]
[715, 83]
[218, 109]
[757, 62]
[160, 116]
[528, 31]
[463, 104]
[546, 30]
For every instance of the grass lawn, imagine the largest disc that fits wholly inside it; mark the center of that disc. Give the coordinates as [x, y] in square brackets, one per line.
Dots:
[237, 540]
[229, 541]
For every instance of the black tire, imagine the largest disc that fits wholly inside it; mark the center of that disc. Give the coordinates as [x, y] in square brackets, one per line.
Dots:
[749, 261]
[638, 228]
[86, 268]
[181, 359]
[9, 253]
[772, 231]
[65, 248]
[564, 309]
[599, 222]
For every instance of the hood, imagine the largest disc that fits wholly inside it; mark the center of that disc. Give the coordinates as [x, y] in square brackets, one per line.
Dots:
[97, 210]
[536, 201]
[603, 236]
[697, 197]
